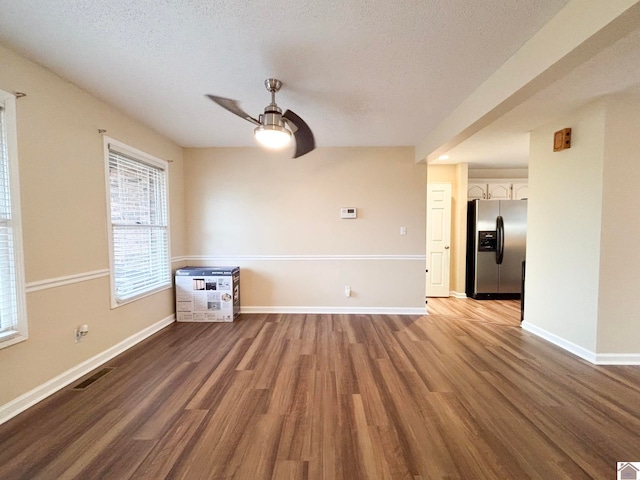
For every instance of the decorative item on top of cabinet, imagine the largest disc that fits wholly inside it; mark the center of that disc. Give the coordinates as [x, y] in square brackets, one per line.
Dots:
[497, 190]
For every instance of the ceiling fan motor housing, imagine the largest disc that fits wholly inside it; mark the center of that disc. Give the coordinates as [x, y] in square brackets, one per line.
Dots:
[271, 123]
[272, 116]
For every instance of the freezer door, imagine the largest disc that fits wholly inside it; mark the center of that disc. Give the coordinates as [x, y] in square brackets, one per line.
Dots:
[487, 271]
[514, 214]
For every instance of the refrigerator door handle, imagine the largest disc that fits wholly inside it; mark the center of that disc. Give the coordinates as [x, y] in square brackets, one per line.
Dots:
[500, 239]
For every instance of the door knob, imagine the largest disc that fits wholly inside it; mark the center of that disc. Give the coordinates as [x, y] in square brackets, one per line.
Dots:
[446, 247]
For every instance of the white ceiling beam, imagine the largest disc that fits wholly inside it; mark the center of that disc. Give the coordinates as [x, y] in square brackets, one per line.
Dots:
[578, 32]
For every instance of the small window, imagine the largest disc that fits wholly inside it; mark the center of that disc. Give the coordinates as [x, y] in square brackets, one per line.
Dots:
[13, 315]
[139, 223]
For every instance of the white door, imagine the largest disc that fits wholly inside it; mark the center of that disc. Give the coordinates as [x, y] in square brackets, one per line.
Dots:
[438, 239]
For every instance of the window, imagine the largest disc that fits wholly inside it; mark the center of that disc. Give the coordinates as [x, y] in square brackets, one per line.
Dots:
[138, 230]
[13, 318]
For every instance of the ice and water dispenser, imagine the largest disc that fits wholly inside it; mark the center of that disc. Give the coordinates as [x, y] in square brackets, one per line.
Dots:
[487, 241]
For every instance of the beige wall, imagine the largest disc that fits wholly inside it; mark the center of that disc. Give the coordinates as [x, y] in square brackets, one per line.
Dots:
[490, 173]
[61, 164]
[563, 231]
[278, 218]
[582, 264]
[456, 175]
[619, 302]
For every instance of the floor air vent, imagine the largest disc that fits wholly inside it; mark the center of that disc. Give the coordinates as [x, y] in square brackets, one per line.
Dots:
[93, 378]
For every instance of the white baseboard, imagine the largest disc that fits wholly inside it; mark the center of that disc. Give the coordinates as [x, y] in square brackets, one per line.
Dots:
[617, 358]
[337, 310]
[570, 347]
[233, 259]
[20, 404]
[458, 294]
[589, 356]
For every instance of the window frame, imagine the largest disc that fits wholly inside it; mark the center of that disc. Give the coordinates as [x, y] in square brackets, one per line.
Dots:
[148, 160]
[20, 332]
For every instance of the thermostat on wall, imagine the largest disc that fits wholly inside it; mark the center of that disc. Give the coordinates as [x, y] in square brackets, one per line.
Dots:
[348, 212]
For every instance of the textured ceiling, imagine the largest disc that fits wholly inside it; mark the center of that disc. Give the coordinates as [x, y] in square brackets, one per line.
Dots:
[616, 69]
[361, 72]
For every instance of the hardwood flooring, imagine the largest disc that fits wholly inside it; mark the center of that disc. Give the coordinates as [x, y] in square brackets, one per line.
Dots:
[497, 312]
[462, 393]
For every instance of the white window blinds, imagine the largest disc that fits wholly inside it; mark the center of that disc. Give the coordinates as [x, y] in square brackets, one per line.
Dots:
[11, 322]
[139, 226]
[8, 304]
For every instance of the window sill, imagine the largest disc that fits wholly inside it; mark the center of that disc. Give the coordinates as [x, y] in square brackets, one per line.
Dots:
[11, 338]
[119, 303]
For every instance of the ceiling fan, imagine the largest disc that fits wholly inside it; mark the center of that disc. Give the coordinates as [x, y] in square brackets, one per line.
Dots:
[274, 128]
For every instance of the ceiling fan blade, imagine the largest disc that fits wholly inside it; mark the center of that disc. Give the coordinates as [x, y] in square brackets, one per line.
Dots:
[233, 107]
[301, 132]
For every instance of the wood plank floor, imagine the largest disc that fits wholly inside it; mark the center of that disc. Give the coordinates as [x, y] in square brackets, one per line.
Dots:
[462, 393]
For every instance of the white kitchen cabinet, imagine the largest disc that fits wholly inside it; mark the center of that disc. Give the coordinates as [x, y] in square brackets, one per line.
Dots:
[519, 191]
[477, 191]
[497, 190]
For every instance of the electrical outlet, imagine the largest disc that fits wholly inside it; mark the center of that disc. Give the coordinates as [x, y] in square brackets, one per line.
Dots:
[81, 332]
[347, 291]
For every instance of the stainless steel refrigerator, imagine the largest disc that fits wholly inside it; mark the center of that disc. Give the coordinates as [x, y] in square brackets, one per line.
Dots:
[496, 246]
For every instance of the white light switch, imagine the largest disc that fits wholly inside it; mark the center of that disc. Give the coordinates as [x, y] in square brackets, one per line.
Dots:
[403, 230]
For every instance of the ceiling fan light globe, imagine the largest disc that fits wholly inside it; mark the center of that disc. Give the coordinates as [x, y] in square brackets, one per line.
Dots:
[272, 136]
